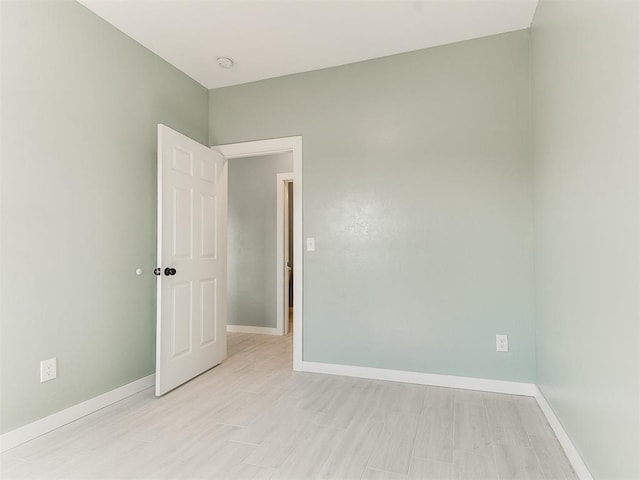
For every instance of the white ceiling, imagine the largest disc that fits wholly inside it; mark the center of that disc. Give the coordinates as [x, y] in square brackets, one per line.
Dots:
[272, 38]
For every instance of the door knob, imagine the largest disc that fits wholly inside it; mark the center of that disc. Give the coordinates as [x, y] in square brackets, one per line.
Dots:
[169, 271]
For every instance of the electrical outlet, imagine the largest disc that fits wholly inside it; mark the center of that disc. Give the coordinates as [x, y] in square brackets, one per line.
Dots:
[502, 343]
[48, 369]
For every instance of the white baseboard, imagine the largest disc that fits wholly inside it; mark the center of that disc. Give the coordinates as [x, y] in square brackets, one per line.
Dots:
[467, 383]
[44, 425]
[567, 445]
[249, 329]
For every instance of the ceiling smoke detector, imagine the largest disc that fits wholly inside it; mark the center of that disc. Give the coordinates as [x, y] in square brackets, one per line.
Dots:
[224, 62]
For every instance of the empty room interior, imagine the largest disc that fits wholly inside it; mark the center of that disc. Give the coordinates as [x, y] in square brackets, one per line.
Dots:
[320, 239]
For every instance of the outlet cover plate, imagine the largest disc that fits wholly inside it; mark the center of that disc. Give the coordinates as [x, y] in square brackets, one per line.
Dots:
[502, 343]
[48, 369]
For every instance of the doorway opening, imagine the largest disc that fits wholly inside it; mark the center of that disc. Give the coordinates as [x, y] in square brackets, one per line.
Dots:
[263, 148]
[256, 243]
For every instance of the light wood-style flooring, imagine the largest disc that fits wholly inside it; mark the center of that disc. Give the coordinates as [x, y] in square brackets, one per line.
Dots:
[252, 417]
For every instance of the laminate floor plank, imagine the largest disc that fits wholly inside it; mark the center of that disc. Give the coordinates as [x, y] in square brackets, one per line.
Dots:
[349, 458]
[471, 431]
[505, 420]
[501, 410]
[279, 444]
[532, 418]
[371, 474]
[434, 438]
[375, 404]
[320, 396]
[516, 436]
[406, 398]
[282, 415]
[395, 444]
[552, 458]
[468, 396]
[344, 407]
[310, 454]
[253, 417]
[519, 463]
[424, 469]
[471, 466]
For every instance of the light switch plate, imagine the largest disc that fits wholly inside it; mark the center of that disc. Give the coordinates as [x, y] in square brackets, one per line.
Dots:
[311, 244]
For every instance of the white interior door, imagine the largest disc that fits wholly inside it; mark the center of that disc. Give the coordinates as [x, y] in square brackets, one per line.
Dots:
[192, 260]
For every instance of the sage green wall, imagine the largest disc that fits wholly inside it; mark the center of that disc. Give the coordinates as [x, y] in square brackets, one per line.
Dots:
[251, 296]
[585, 96]
[417, 188]
[80, 104]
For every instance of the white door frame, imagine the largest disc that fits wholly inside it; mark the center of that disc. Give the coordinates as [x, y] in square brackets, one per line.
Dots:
[269, 147]
[282, 247]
